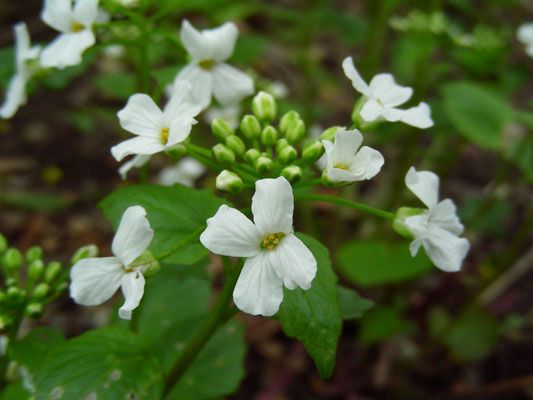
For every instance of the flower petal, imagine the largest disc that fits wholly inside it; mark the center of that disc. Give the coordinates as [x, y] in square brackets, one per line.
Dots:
[133, 290]
[95, 280]
[349, 70]
[193, 41]
[419, 116]
[384, 88]
[230, 233]
[85, 12]
[201, 82]
[58, 14]
[142, 116]
[185, 172]
[221, 41]
[371, 110]
[230, 85]
[133, 236]
[137, 145]
[293, 262]
[258, 291]
[345, 146]
[273, 206]
[66, 50]
[136, 162]
[180, 128]
[15, 96]
[367, 163]
[392, 114]
[424, 184]
[445, 250]
[22, 43]
[444, 215]
[525, 33]
[182, 103]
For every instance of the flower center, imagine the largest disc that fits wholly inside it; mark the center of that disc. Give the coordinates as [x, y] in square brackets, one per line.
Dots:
[206, 64]
[271, 241]
[340, 166]
[126, 270]
[77, 27]
[164, 135]
[380, 102]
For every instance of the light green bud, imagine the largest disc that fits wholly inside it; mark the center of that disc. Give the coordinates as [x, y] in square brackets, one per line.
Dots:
[15, 294]
[329, 134]
[264, 107]
[3, 243]
[326, 181]
[250, 127]
[221, 129]
[177, 151]
[13, 258]
[52, 271]
[287, 155]
[312, 151]
[398, 223]
[263, 165]
[286, 120]
[295, 132]
[269, 136]
[292, 173]
[236, 144]
[223, 154]
[251, 155]
[11, 282]
[88, 251]
[229, 182]
[34, 310]
[280, 144]
[35, 271]
[40, 291]
[5, 321]
[34, 253]
[148, 263]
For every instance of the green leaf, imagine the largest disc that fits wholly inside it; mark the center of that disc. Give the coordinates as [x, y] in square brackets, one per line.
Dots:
[371, 262]
[381, 323]
[313, 316]
[352, 305]
[117, 86]
[112, 363]
[15, 391]
[174, 213]
[477, 113]
[30, 350]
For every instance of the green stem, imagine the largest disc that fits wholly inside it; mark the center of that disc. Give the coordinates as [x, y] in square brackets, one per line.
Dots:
[344, 202]
[309, 182]
[217, 317]
[191, 238]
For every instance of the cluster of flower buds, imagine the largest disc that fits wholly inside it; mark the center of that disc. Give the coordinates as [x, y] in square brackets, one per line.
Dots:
[266, 149]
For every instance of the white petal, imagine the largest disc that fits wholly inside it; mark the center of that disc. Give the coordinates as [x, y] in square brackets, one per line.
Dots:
[182, 103]
[15, 96]
[179, 130]
[345, 146]
[529, 50]
[328, 150]
[349, 70]
[136, 162]
[66, 49]
[371, 110]
[22, 43]
[444, 215]
[258, 291]
[85, 12]
[185, 172]
[273, 206]
[133, 290]
[137, 145]
[221, 41]
[133, 236]
[293, 262]
[419, 116]
[445, 250]
[384, 88]
[95, 280]
[424, 184]
[230, 85]
[142, 116]
[201, 82]
[58, 14]
[392, 114]
[230, 233]
[414, 246]
[194, 42]
[418, 225]
[367, 163]
[342, 175]
[525, 33]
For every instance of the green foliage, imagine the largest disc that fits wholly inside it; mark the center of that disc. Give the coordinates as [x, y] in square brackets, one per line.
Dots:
[29, 351]
[352, 304]
[116, 85]
[381, 323]
[313, 316]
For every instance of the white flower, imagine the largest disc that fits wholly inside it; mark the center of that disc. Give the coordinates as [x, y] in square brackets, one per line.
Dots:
[157, 130]
[75, 24]
[383, 95]
[95, 280]
[345, 162]
[136, 162]
[16, 91]
[275, 256]
[186, 172]
[438, 228]
[207, 73]
[231, 114]
[525, 35]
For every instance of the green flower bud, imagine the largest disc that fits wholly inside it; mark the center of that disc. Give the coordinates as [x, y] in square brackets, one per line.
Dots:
[280, 144]
[15, 294]
[34, 253]
[295, 132]
[329, 134]
[148, 263]
[269, 136]
[5, 321]
[356, 116]
[223, 154]
[263, 165]
[52, 271]
[264, 107]
[13, 259]
[250, 127]
[326, 181]
[398, 222]
[229, 182]
[177, 151]
[35, 271]
[251, 155]
[11, 282]
[34, 310]
[221, 129]
[236, 144]
[287, 120]
[3, 243]
[292, 173]
[88, 251]
[287, 155]
[312, 151]
[40, 291]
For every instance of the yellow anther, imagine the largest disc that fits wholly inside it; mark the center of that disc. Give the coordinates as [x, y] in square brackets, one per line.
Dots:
[126, 270]
[206, 64]
[340, 166]
[77, 27]
[164, 135]
[271, 241]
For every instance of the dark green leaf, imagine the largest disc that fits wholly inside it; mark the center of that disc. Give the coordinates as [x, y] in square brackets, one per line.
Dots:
[381, 323]
[352, 305]
[30, 350]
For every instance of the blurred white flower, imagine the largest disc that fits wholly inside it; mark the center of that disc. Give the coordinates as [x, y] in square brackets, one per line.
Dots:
[115, 51]
[525, 35]
[136, 162]
[186, 172]
[207, 73]
[438, 228]
[278, 89]
[275, 256]
[383, 95]
[95, 280]
[16, 90]
[231, 114]
[314, 132]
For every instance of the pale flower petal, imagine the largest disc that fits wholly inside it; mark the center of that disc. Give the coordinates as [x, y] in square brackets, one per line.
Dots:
[133, 290]
[366, 164]
[230, 85]
[384, 88]
[193, 41]
[133, 236]
[525, 33]
[67, 49]
[345, 146]
[201, 82]
[349, 70]
[273, 206]
[142, 116]
[179, 130]
[371, 110]
[419, 116]
[136, 162]
[58, 14]
[444, 214]
[446, 250]
[186, 171]
[182, 103]
[85, 12]
[137, 145]
[15, 96]
[424, 184]
[221, 41]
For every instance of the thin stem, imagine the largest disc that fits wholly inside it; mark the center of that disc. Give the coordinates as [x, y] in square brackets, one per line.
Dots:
[191, 238]
[344, 202]
[309, 182]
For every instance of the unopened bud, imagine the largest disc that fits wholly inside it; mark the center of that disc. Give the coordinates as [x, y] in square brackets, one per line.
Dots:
[3, 243]
[221, 129]
[88, 251]
[280, 144]
[312, 151]
[40, 291]
[34, 310]
[35, 271]
[15, 294]
[251, 155]
[263, 165]
[34, 253]
[269, 136]
[250, 127]
[264, 107]
[147, 263]
[287, 155]
[398, 224]
[286, 120]
[295, 132]
[5, 321]
[223, 154]
[13, 258]
[292, 173]
[177, 151]
[229, 182]
[52, 271]
[236, 144]
[329, 134]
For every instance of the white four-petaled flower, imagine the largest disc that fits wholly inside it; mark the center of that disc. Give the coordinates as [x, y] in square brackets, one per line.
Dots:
[16, 91]
[344, 163]
[157, 130]
[383, 95]
[207, 72]
[275, 256]
[95, 280]
[438, 228]
[75, 24]
[525, 35]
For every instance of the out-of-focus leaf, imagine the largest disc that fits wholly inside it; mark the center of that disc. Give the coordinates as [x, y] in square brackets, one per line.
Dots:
[381, 323]
[117, 86]
[352, 304]
[35, 201]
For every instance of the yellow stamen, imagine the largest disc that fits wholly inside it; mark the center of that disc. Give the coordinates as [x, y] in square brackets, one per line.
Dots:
[126, 270]
[340, 166]
[77, 27]
[271, 241]
[164, 135]
[206, 64]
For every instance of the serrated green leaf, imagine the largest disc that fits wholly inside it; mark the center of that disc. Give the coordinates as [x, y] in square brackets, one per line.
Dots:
[352, 304]
[313, 316]
[381, 323]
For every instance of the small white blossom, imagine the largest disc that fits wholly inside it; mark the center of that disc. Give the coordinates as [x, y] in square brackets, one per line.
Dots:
[75, 24]
[16, 91]
[275, 256]
[156, 130]
[525, 35]
[383, 95]
[95, 280]
[207, 73]
[186, 172]
[438, 228]
[136, 162]
[345, 162]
